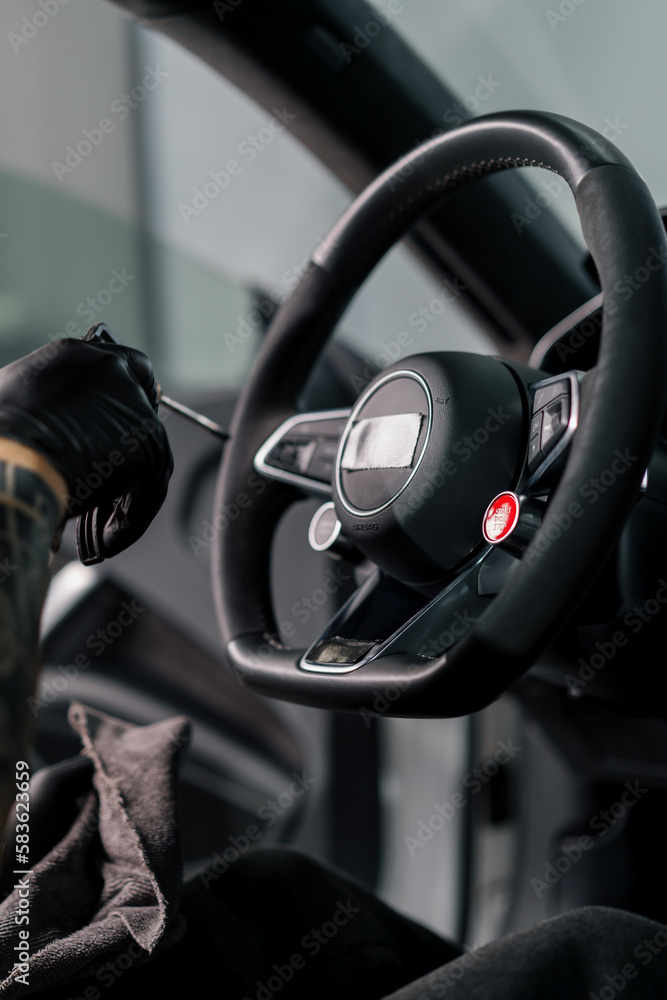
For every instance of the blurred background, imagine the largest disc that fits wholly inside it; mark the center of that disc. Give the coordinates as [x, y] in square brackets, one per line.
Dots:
[111, 140]
[196, 276]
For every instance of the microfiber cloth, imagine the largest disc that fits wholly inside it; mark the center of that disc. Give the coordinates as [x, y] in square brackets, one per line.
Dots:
[112, 885]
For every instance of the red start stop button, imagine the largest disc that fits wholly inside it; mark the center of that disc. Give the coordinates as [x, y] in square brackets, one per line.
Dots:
[501, 517]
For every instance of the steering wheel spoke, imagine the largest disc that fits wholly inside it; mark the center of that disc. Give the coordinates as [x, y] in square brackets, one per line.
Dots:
[386, 618]
[302, 451]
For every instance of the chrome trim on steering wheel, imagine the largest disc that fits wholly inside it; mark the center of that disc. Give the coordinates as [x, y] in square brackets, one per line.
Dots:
[293, 478]
[361, 402]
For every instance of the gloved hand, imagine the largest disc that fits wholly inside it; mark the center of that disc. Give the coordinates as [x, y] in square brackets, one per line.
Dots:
[91, 410]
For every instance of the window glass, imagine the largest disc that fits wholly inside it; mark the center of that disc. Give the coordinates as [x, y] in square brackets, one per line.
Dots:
[139, 188]
[600, 62]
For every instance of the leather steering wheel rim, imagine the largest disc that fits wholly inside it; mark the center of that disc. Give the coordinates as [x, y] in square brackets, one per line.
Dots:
[622, 405]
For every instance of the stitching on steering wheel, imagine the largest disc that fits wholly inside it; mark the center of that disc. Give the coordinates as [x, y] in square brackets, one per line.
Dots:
[432, 192]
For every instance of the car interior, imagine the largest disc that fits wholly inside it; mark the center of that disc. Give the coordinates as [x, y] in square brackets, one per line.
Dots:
[393, 252]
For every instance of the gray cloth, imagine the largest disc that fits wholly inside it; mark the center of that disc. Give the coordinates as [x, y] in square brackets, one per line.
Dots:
[112, 885]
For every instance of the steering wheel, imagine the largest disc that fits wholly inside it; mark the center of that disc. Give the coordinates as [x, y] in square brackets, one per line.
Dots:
[449, 619]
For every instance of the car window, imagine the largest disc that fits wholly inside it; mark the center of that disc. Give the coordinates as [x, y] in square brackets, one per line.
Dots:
[600, 62]
[138, 187]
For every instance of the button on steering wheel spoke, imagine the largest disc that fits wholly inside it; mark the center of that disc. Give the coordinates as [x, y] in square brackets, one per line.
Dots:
[553, 422]
[302, 451]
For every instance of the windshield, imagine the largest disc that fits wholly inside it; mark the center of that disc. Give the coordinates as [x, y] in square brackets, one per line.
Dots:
[600, 62]
[139, 187]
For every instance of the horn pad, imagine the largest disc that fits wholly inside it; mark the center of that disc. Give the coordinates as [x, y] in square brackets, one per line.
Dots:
[427, 444]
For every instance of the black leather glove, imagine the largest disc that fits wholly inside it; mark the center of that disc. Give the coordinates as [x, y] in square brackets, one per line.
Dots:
[91, 409]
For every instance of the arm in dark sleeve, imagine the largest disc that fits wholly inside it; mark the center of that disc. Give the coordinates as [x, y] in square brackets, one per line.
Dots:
[32, 502]
[66, 411]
